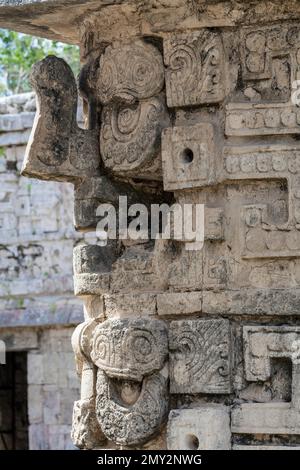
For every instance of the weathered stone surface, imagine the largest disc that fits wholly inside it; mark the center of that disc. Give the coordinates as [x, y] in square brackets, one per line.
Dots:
[179, 303]
[267, 418]
[130, 356]
[86, 433]
[195, 68]
[126, 305]
[188, 155]
[188, 103]
[204, 428]
[134, 113]
[200, 356]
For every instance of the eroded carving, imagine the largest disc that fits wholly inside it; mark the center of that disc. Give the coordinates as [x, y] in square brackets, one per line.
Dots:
[132, 378]
[200, 360]
[195, 68]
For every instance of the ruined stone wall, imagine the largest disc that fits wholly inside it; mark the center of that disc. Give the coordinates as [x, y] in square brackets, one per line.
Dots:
[37, 307]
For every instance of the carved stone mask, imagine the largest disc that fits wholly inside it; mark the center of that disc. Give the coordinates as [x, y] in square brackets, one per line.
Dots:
[129, 86]
[132, 381]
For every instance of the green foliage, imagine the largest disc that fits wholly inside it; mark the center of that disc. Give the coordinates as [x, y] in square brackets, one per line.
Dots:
[18, 52]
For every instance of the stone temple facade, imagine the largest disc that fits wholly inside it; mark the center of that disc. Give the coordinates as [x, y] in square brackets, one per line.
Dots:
[38, 383]
[187, 101]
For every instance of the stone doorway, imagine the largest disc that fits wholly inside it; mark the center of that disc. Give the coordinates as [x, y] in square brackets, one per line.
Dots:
[13, 402]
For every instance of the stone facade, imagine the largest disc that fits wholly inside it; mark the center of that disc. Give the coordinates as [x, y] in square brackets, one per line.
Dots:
[37, 309]
[187, 102]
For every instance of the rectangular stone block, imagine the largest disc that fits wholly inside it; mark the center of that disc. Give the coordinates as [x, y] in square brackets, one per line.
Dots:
[35, 404]
[203, 428]
[181, 303]
[188, 155]
[200, 356]
[261, 119]
[35, 371]
[266, 418]
[119, 305]
[252, 302]
[195, 68]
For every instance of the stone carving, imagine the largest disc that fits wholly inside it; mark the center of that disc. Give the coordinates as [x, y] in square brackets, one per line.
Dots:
[187, 102]
[199, 428]
[188, 155]
[58, 149]
[262, 344]
[261, 119]
[130, 72]
[261, 45]
[129, 85]
[200, 360]
[86, 432]
[195, 68]
[131, 380]
[130, 135]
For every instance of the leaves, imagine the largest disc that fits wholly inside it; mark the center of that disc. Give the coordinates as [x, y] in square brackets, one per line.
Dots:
[18, 52]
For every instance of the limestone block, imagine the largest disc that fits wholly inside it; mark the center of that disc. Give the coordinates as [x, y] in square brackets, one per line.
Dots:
[266, 418]
[200, 356]
[36, 373]
[17, 122]
[91, 272]
[18, 339]
[38, 437]
[203, 428]
[252, 302]
[188, 155]
[126, 305]
[35, 404]
[195, 71]
[182, 303]
[14, 138]
[51, 404]
[261, 119]
[264, 343]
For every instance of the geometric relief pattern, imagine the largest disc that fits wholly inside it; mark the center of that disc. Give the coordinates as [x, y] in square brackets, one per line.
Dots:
[200, 360]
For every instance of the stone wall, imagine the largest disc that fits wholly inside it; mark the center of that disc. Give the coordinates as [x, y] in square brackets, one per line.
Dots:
[37, 307]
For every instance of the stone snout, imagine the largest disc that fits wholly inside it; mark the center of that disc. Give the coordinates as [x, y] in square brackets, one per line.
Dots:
[129, 359]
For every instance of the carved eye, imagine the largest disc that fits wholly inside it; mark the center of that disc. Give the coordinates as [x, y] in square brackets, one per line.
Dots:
[142, 345]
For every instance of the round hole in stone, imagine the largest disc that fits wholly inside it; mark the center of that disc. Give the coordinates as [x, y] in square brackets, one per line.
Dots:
[192, 442]
[187, 155]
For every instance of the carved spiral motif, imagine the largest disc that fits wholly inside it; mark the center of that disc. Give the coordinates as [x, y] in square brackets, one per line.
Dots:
[183, 63]
[130, 135]
[134, 69]
[129, 349]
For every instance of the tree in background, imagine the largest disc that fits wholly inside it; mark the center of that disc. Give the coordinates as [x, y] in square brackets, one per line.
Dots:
[18, 52]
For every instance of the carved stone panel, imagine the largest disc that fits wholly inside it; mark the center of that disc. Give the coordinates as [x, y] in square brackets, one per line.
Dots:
[200, 359]
[132, 378]
[188, 156]
[204, 428]
[129, 86]
[195, 71]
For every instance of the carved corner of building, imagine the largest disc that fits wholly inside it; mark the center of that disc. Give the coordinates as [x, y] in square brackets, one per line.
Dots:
[184, 105]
